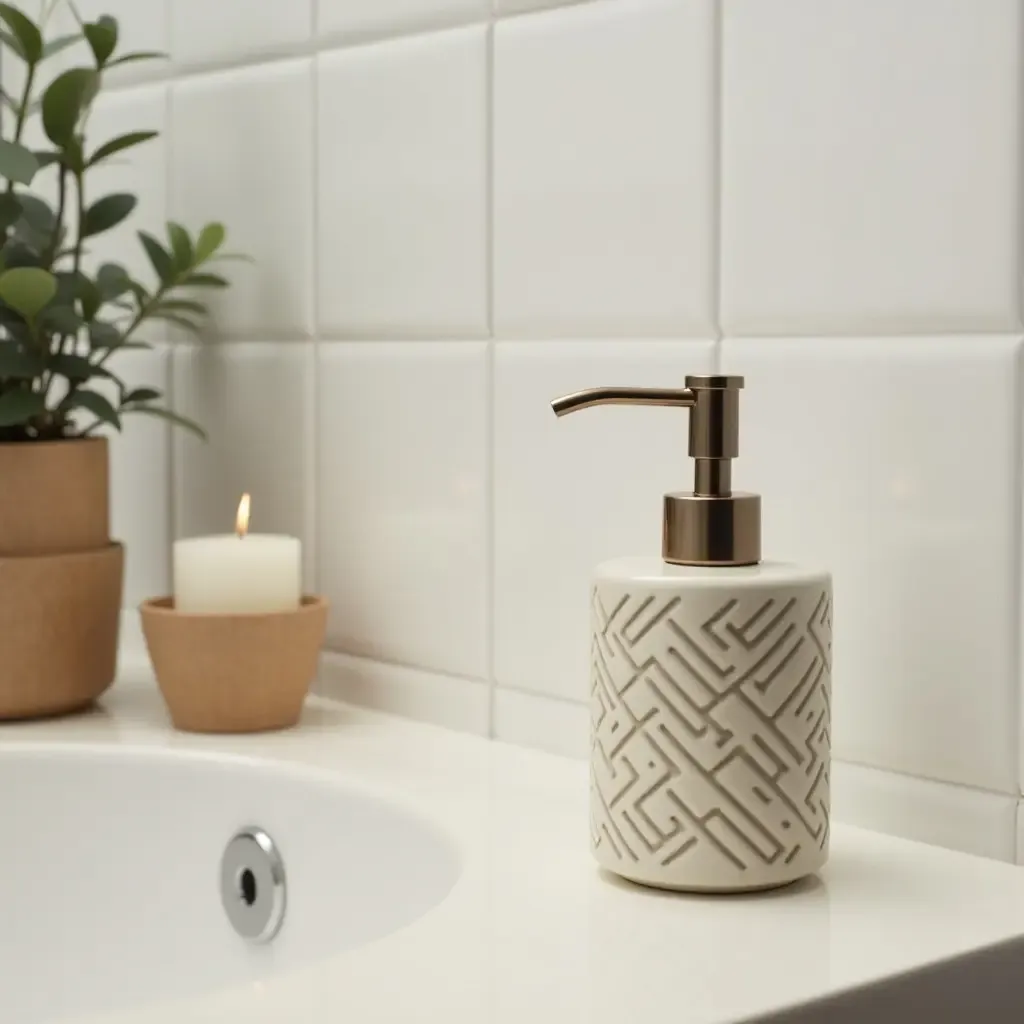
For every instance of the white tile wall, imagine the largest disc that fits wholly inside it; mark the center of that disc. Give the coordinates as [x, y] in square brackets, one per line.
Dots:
[346, 20]
[553, 478]
[458, 213]
[242, 154]
[229, 31]
[403, 485]
[604, 150]
[141, 170]
[869, 166]
[404, 118]
[870, 458]
[255, 400]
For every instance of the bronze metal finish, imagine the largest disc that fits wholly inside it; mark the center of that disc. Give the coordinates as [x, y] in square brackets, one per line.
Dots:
[712, 524]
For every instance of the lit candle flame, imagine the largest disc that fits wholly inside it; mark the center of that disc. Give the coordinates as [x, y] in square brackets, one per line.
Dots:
[242, 519]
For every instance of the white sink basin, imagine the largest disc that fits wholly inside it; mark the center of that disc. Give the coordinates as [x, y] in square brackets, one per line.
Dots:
[110, 874]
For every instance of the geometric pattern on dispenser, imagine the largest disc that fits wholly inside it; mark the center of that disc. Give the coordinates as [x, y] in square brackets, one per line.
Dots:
[710, 736]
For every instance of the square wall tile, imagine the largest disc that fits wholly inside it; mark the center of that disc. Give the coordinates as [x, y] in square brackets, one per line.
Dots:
[603, 170]
[402, 486]
[349, 18]
[462, 704]
[402, 187]
[228, 30]
[255, 179]
[142, 27]
[1020, 832]
[894, 463]
[522, 6]
[140, 481]
[141, 170]
[937, 813]
[870, 166]
[571, 493]
[557, 726]
[255, 402]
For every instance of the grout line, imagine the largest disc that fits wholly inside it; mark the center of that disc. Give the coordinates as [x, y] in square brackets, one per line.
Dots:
[315, 46]
[1017, 547]
[319, 44]
[963, 786]
[1018, 447]
[549, 698]
[490, 510]
[313, 419]
[330, 653]
[1020, 170]
[489, 385]
[717, 131]
[412, 337]
[172, 357]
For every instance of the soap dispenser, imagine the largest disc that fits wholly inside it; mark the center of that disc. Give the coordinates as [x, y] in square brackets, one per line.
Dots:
[710, 682]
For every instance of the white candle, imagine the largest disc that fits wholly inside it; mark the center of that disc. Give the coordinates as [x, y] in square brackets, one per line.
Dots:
[239, 572]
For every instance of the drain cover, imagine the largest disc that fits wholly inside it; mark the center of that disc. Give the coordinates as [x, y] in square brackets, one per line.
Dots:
[252, 885]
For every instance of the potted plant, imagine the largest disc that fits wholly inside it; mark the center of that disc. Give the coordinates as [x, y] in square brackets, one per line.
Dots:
[62, 326]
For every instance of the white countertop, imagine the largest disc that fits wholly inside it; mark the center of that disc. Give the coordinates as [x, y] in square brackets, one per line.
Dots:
[532, 932]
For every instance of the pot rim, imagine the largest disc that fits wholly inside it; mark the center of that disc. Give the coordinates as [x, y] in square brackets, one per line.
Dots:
[55, 442]
[63, 556]
[163, 607]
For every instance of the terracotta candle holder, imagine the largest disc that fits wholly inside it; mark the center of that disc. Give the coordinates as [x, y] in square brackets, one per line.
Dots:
[234, 673]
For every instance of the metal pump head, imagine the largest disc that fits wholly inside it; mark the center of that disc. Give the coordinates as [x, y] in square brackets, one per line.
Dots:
[712, 524]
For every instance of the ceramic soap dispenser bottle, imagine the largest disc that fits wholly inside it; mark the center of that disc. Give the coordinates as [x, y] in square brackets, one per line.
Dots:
[710, 682]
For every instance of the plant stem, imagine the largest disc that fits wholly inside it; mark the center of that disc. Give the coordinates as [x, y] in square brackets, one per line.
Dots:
[51, 251]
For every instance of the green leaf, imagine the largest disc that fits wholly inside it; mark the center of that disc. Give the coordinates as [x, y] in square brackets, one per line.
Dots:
[17, 254]
[18, 363]
[103, 335]
[171, 417]
[45, 157]
[9, 39]
[63, 102]
[120, 143]
[18, 407]
[182, 306]
[74, 367]
[211, 238]
[88, 293]
[54, 46]
[10, 210]
[205, 281]
[102, 38]
[25, 31]
[17, 163]
[72, 156]
[37, 212]
[111, 281]
[95, 403]
[177, 318]
[140, 293]
[107, 213]
[161, 259]
[181, 245]
[142, 395]
[27, 289]
[138, 55]
[61, 319]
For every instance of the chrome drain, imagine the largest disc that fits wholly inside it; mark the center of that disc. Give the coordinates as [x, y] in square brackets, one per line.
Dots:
[252, 885]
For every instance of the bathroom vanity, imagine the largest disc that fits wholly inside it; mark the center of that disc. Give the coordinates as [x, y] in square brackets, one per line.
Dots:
[432, 876]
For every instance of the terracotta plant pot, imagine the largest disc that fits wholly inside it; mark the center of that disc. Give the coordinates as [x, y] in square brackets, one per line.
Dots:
[234, 673]
[55, 497]
[60, 616]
